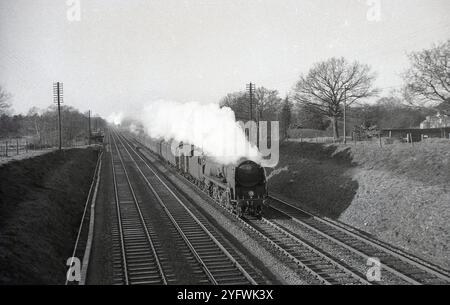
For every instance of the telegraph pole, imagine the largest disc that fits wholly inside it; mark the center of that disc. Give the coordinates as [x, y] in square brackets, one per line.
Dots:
[251, 90]
[345, 117]
[58, 98]
[89, 124]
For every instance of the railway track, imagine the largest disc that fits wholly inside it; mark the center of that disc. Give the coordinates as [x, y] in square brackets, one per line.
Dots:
[409, 269]
[316, 262]
[139, 257]
[326, 268]
[135, 260]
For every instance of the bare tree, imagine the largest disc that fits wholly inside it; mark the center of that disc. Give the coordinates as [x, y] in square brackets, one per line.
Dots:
[34, 122]
[232, 99]
[4, 104]
[268, 104]
[331, 83]
[239, 103]
[285, 118]
[428, 79]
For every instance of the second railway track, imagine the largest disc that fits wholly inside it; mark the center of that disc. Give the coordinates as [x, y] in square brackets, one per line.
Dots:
[406, 268]
[316, 262]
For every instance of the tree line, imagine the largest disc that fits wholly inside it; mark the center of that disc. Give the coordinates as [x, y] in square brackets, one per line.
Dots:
[318, 98]
[41, 125]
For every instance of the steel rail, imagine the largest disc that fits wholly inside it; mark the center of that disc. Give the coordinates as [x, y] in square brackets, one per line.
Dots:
[211, 236]
[144, 225]
[320, 253]
[338, 227]
[267, 239]
[119, 220]
[359, 238]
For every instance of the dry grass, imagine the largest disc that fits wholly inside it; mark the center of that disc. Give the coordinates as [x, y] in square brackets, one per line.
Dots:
[308, 133]
[427, 162]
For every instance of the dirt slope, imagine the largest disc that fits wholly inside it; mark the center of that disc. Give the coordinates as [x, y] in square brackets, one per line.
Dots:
[41, 203]
[399, 193]
[316, 176]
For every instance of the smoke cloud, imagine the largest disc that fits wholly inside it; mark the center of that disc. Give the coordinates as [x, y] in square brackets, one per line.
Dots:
[134, 129]
[115, 118]
[210, 128]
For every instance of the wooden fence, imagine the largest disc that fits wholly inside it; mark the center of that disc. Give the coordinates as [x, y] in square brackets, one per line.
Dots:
[13, 147]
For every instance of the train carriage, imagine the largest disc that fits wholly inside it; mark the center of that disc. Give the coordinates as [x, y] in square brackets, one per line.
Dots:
[241, 187]
[166, 152]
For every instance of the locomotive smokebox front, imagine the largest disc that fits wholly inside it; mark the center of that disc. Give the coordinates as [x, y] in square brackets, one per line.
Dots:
[249, 174]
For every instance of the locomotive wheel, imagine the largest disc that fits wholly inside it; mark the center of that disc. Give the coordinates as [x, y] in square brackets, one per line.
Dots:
[225, 199]
[210, 191]
[258, 212]
[250, 208]
[222, 198]
[230, 206]
[215, 193]
[239, 211]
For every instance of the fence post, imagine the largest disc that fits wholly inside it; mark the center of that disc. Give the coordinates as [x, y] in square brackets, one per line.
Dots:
[379, 137]
[6, 148]
[17, 145]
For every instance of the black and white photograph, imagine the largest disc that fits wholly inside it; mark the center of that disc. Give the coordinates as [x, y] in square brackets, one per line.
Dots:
[224, 150]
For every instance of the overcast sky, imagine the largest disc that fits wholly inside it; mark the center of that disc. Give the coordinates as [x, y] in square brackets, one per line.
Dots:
[121, 54]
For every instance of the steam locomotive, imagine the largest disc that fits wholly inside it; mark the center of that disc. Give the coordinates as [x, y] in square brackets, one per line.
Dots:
[240, 187]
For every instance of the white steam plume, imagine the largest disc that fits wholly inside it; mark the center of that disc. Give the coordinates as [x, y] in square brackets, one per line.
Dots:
[133, 128]
[115, 118]
[207, 126]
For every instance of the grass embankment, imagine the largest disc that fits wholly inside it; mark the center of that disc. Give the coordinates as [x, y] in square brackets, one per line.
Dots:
[399, 193]
[41, 203]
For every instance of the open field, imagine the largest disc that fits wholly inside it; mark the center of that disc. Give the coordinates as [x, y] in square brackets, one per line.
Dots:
[398, 192]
